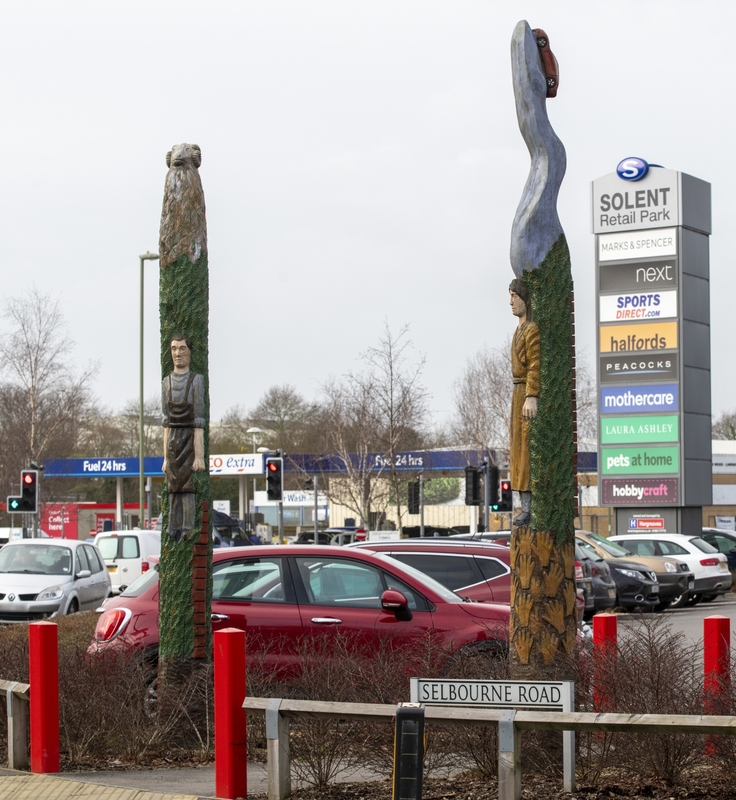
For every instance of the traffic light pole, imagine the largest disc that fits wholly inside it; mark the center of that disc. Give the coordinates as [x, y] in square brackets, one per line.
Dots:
[316, 507]
[486, 493]
[421, 504]
[281, 522]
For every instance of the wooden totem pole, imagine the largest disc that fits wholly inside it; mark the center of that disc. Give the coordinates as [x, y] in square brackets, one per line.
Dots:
[543, 623]
[186, 544]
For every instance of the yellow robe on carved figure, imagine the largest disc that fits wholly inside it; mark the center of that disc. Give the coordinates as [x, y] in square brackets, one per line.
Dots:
[525, 374]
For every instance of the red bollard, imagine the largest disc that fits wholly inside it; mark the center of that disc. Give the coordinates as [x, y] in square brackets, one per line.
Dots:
[605, 641]
[231, 768]
[43, 646]
[716, 658]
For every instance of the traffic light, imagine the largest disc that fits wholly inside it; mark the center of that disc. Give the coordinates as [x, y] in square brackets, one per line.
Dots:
[492, 478]
[413, 502]
[472, 486]
[14, 505]
[29, 491]
[274, 478]
[505, 502]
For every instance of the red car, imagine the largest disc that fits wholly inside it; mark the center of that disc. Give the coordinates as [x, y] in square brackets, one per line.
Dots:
[474, 570]
[297, 591]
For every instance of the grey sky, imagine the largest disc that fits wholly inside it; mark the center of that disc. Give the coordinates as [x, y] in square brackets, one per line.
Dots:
[361, 163]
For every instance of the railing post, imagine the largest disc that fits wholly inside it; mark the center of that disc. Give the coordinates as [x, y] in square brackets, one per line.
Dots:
[43, 647]
[278, 755]
[605, 642]
[716, 659]
[17, 709]
[231, 774]
[408, 752]
[509, 757]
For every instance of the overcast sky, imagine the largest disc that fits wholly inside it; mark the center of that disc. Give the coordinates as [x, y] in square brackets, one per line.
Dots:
[361, 163]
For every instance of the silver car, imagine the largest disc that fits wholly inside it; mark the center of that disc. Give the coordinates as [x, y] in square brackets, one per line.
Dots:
[42, 578]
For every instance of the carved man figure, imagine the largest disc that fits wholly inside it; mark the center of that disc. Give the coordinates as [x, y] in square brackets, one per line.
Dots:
[182, 403]
[525, 358]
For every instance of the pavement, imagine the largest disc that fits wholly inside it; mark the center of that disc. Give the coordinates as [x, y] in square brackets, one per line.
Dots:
[187, 783]
[190, 783]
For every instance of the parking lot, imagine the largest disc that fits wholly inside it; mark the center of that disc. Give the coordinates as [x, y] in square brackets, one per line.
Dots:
[688, 620]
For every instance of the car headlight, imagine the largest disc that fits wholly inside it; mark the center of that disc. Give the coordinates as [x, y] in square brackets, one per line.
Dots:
[631, 573]
[669, 567]
[52, 593]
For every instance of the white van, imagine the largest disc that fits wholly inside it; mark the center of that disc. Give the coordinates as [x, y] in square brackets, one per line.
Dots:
[125, 554]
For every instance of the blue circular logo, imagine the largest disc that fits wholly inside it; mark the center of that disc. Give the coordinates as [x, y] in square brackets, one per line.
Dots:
[632, 169]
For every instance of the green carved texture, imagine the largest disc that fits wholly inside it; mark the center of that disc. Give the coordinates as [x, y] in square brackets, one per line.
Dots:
[184, 308]
[551, 439]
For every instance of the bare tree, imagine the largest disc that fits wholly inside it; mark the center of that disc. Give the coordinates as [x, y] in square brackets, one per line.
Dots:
[109, 433]
[42, 400]
[372, 416]
[283, 415]
[483, 400]
[725, 426]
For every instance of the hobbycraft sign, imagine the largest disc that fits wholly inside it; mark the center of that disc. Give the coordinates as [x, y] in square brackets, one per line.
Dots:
[652, 226]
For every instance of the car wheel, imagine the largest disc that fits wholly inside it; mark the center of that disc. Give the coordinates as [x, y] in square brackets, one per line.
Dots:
[694, 599]
[680, 601]
[73, 607]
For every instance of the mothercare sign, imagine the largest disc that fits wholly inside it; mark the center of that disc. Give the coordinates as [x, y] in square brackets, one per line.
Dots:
[652, 226]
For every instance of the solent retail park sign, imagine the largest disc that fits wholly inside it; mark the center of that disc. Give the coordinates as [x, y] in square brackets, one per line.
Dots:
[653, 332]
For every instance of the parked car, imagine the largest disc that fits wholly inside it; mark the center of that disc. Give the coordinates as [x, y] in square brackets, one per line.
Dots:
[673, 576]
[498, 537]
[603, 584]
[584, 580]
[478, 571]
[49, 578]
[475, 571]
[709, 567]
[126, 554]
[307, 537]
[287, 593]
[724, 542]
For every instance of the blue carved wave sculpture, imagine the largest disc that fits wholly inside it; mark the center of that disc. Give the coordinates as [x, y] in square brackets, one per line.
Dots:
[536, 224]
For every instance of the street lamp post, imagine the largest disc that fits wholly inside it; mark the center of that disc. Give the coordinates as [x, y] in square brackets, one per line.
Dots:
[141, 488]
[254, 432]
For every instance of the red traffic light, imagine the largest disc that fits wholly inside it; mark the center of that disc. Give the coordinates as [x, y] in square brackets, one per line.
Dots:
[505, 486]
[29, 478]
[272, 467]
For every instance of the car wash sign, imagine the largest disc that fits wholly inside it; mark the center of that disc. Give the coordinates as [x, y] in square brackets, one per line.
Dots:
[653, 336]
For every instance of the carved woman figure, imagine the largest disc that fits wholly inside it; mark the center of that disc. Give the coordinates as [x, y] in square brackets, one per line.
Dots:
[525, 357]
[182, 404]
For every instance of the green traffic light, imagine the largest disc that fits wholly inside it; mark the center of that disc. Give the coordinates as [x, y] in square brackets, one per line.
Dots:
[13, 503]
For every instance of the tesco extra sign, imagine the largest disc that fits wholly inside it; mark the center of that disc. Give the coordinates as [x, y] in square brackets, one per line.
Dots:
[632, 169]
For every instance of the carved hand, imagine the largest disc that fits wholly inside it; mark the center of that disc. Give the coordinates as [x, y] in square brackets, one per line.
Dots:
[529, 411]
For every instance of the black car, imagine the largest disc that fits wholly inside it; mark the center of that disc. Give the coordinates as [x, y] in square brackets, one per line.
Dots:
[584, 580]
[724, 542]
[604, 586]
[637, 587]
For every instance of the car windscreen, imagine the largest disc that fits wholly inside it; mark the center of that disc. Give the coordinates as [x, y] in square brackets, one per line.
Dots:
[701, 544]
[141, 583]
[610, 547]
[36, 559]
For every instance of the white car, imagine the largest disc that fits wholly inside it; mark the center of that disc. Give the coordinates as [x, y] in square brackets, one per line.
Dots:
[126, 555]
[42, 578]
[710, 568]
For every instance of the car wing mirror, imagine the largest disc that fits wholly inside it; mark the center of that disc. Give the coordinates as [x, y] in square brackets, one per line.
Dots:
[84, 573]
[393, 600]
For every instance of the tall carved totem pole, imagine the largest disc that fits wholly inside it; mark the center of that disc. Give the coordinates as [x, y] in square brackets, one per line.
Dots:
[186, 544]
[543, 624]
